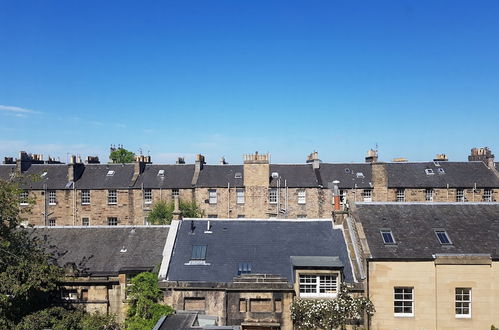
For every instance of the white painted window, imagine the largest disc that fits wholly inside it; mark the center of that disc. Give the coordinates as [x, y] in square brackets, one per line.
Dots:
[240, 195]
[112, 197]
[459, 195]
[315, 285]
[463, 302]
[52, 197]
[24, 197]
[403, 301]
[272, 196]
[212, 196]
[487, 195]
[400, 195]
[147, 196]
[112, 221]
[429, 195]
[302, 196]
[367, 195]
[85, 197]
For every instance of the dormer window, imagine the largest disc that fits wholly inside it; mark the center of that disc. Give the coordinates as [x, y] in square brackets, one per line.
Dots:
[161, 173]
[198, 252]
[110, 173]
[238, 175]
[429, 171]
[244, 268]
[318, 285]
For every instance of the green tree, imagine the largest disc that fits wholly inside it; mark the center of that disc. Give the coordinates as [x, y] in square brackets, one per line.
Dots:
[27, 273]
[162, 212]
[121, 155]
[330, 313]
[143, 296]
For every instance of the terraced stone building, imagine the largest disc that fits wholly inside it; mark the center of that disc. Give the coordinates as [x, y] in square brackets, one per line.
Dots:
[91, 193]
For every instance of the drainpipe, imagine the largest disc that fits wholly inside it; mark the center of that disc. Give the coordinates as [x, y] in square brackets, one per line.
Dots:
[286, 199]
[74, 204]
[228, 200]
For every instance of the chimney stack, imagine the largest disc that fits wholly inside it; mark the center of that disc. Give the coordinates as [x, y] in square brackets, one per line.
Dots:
[75, 168]
[372, 156]
[223, 161]
[441, 158]
[9, 160]
[198, 166]
[313, 158]
[336, 195]
[180, 160]
[177, 214]
[482, 154]
[93, 160]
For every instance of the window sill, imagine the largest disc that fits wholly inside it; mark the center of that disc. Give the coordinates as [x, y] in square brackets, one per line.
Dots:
[463, 316]
[318, 295]
[52, 204]
[403, 315]
[85, 204]
[197, 263]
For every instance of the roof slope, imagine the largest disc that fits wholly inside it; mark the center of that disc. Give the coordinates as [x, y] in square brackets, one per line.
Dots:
[294, 176]
[95, 176]
[454, 174]
[175, 176]
[350, 175]
[472, 228]
[98, 251]
[267, 245]
[214, 176]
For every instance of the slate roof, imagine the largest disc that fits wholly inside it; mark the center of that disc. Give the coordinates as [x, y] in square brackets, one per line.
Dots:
[214, 176]
[472, 228]
[56, 177]
[95, 176]
[455, 174]
[347, 175]
[267, 244]
[175, 176]
[294, 175]
[6, 170]
[185, 320]
[97, 250]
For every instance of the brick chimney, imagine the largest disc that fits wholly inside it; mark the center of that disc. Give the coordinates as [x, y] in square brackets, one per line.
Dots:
[139, 165]
[372, 156]
[313, 159]
[180, 160]
[223, 161]
[93, 160]
[23, 163]
[482, 154]
[441, 158]
[198, 167]
[256, 169]
[75, 168]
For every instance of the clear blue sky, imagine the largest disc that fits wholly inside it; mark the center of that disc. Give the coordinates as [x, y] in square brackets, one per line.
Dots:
[224, 78]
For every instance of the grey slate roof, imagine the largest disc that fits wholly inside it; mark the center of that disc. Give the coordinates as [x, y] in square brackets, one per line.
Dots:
[294, 175]
[175, 176]
[97, 251]
[220, 176]
[56, 177]
[184, 320]
[472, 228]
[95, 176]
[6, 170]
[455, 174]
[268, 245]
[347, 175]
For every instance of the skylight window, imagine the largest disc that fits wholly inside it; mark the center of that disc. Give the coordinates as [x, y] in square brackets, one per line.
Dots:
[441, 170]
[161, 173]
[238, 175]
[110, 173]
[436, 163]
[429, 171]
[44, 174]
[360, 175]
[347, 170]
[198, 252]
[443, 237]
[244, 268]
[387, 236]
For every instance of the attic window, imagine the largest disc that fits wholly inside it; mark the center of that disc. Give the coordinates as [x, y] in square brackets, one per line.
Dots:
[436, 163]
[161, 173]
[238, 175]
[387, 236]
[360, 175]
[429, 171]
[441, 170]
[198, 252]
[244, 268]
[110, 173]
[443, 237]
[43, 174]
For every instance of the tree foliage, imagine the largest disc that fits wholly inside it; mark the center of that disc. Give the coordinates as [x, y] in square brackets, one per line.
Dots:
[330, 313]
[121, 155]
[27, 273]
[143, 296]
[162, 212]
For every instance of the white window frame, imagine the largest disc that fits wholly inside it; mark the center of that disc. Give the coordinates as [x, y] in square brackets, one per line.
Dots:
[147, 196]
[273, 196]
[403, 300]
[112, 221]
[400, 195]
[112, 197]
[459, 299]
[212, 196]
[24, 197]
[52, 197]
[302, 196]
[316, 283]
[460, 195]
[487, 195]
[239, 195]
[429, 192]
[85, 197]
[367, 194]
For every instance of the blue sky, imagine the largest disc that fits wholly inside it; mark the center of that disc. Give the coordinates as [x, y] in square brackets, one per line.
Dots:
[225, 78]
